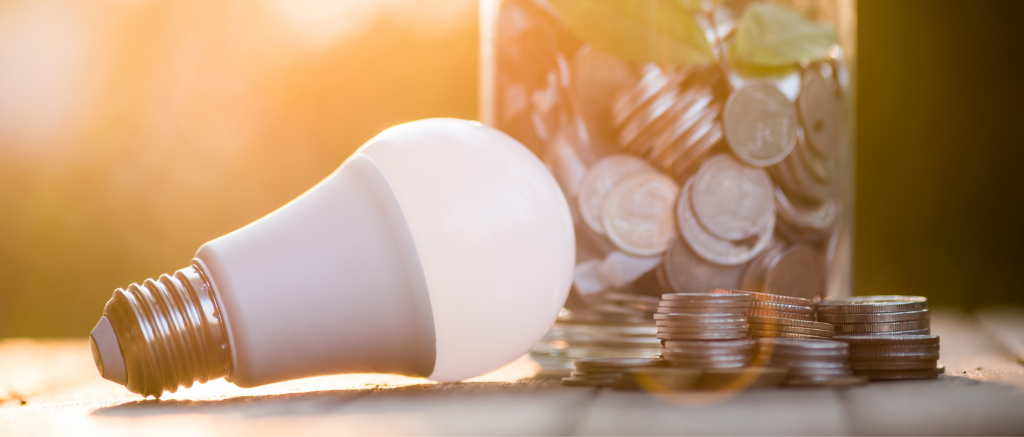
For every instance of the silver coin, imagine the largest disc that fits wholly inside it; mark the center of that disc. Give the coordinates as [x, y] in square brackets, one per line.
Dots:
[705, 297]
[686, 272]
[881, 350]
[706, 329]
[907, 356]
[637, 213]
[613, 363]
[709, 324]
[735, 311]
[732, 200]
[850, 328]
[806, 184]
[653, 80]
[816, 218]
[860, 340]
[701, 336]
[872, 304]
[925, 331]
[821, 111]
[760, 123]
[600, 180]
[893, 365]
[902, 316]
[824, 169]
[712, 248]
[700, 317]
[744, 344]
[798, 271]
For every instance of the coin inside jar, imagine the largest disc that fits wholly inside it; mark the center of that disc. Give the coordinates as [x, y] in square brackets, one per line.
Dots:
[686, 272]
[798, 271]
[600, 180]
[760, 123]
[730, 199]
[821, 110]
[711, 247]
[637, 214]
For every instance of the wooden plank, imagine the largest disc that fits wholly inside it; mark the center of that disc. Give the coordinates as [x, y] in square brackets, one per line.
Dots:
[788, 411]
[1005, 325]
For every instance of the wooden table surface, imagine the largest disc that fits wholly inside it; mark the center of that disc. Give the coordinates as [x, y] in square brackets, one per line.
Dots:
[51, 387]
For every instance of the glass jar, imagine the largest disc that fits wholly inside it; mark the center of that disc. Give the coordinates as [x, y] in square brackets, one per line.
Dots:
[700, 143]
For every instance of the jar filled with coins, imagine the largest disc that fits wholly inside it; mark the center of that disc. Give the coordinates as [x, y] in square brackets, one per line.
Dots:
[701, 144]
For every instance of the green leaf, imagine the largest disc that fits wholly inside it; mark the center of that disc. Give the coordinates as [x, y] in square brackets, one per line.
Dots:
[660, 31]
[774, 36]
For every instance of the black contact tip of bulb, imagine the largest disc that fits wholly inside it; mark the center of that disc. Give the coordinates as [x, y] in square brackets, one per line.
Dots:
[166, 333]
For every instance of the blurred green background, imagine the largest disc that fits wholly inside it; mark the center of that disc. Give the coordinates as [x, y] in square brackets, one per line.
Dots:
[131, 132]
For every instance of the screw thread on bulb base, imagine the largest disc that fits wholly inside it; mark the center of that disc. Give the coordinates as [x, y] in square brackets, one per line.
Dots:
[170, 332]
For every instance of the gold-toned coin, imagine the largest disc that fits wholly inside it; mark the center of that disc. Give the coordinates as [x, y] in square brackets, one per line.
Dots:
[792, 329]
[759, 333]
[790, 322]
[779, 314]
[775, 306]
[767, 297]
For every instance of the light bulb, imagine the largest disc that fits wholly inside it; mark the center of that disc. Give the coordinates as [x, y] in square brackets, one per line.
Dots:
[441, 248]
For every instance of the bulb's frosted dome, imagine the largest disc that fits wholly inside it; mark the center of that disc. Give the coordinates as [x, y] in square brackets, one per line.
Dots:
[493, 232]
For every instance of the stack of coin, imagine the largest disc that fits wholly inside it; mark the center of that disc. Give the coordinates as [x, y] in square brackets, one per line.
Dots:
[882, 357]
[768, 307]
[877, 315]
[710, 354]
[702, 316]
[810, 362]
[572, 338]
[604, 371]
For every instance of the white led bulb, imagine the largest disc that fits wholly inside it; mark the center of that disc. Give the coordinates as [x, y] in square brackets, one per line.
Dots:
[442, 248]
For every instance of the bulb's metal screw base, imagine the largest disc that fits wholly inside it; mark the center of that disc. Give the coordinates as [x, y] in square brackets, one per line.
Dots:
[170, 332]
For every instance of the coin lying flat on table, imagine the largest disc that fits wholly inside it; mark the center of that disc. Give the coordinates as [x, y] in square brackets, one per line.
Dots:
[904, 356]
[902, 316]
[736, 311]
[637, 214]
[872, 304]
